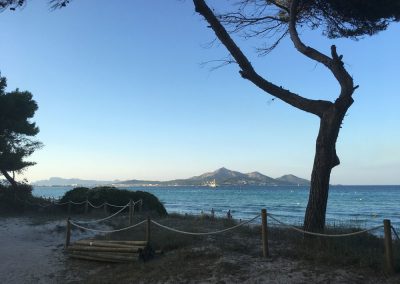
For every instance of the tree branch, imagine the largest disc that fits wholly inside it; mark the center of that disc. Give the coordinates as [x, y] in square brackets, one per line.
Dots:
[334, 64]
[247, 71]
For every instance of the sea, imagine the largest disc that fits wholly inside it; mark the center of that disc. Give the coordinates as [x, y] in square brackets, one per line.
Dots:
[356, 206]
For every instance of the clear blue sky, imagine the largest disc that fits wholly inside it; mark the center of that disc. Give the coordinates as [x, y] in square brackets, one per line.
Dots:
[122, 94]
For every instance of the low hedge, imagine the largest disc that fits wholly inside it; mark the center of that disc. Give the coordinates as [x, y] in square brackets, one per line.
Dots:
[112, 195]
[19, 200]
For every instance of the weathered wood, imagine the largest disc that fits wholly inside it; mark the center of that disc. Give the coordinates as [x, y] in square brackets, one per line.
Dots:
[130, 212]
[102, 249]
[68, 233]
[388, 246]
[69, 208]
[107, 254]
[104, 258]
[139, 243]
[93, 258]
[105, 244]
[148, 224]
[264, 232]
[86, 206]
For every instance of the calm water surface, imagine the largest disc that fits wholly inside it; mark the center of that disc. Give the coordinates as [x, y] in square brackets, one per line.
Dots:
[364, 206]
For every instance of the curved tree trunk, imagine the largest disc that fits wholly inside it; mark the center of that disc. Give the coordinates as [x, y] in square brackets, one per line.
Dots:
[9, 178]
[325, 159]
[331, 114]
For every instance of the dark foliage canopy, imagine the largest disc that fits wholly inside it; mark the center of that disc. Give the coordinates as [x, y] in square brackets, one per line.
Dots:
[14, 4]
[352, 18]
[335, 18]
[16, 108]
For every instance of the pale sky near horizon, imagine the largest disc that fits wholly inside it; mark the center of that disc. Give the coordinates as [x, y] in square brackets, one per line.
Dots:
[122, 94]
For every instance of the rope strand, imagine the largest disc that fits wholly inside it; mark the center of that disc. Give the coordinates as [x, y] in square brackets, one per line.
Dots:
[205, 233]
[103, 219]
[106, 231]
[323, 235]
[394, 231]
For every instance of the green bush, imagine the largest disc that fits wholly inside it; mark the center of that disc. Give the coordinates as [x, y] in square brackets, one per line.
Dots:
[19, 200]
[112, 195]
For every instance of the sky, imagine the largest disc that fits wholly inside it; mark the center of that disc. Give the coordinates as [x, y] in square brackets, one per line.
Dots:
[124, 93]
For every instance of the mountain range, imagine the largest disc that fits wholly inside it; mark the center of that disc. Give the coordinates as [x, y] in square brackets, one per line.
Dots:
[220, 177]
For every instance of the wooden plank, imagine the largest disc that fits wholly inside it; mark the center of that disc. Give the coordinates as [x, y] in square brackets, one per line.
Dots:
[95, 258]
[104, 244]
[93, 248]
[107, 254]
[111, 257]
[141, 243]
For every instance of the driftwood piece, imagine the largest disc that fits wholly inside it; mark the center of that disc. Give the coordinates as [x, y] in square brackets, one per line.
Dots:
[105, 244]
[110, 249]
[138, 243]
[106, 257]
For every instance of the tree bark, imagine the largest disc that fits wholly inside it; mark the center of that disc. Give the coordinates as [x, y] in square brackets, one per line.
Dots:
[324, 161]
[331, 114]
[9, 178]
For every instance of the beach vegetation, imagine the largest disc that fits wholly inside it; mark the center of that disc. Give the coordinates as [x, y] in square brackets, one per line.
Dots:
[19, 199]
[16, 131]
[236, 251]
[112, 195]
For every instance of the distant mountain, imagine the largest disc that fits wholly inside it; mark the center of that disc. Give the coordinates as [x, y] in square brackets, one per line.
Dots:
[291, 179]
[220, 177]
[57, 181]
[224, 177]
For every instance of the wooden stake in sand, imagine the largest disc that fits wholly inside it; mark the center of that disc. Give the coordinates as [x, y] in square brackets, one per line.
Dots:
[130, 212]
[387, 227]
[148, 230]
[68, 233]
[264, 232]
[86, 206]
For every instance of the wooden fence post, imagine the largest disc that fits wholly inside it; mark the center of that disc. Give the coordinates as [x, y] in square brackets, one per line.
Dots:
[105, 208]
[264, 232]
[140, 205]
[69, 207]
[86, 206]
[148, 230]
[68, 233]
[130, 212]
[388, 246]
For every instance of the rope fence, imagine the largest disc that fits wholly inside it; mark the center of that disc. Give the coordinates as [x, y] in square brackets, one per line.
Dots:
[104, 219]
[388, 229]
[322, 235]
[86, 202]
[395, 233]
[106, 231]
[204, 233]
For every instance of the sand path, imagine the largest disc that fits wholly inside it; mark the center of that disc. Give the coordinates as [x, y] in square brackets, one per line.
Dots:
[30, 253]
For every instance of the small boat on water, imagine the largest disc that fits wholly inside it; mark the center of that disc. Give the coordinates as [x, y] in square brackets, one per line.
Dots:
[212, 184]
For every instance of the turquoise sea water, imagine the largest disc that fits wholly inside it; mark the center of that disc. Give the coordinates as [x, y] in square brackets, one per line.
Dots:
[364, 206]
